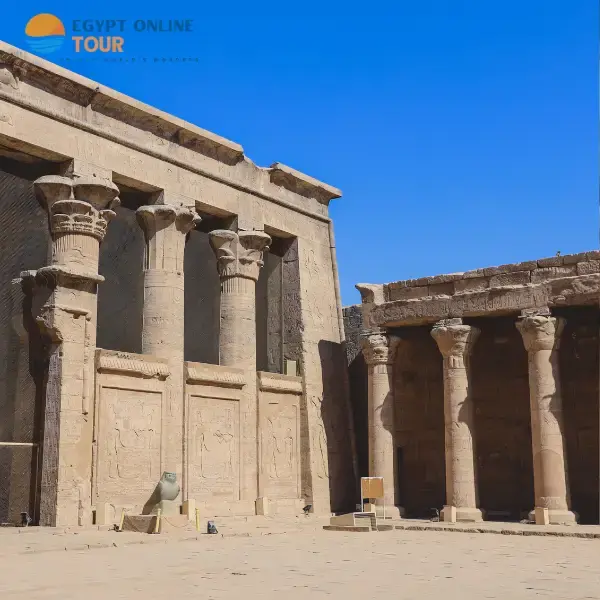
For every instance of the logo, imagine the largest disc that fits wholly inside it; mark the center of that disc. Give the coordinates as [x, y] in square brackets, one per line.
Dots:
[45, 33]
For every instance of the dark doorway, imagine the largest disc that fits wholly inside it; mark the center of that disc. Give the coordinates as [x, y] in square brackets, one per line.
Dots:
[500, 388]
[24, 245]
[579, 375]
[419, 415]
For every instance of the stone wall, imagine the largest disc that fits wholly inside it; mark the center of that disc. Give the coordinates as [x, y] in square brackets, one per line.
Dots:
[532, 271]
[357, 378]
[568, 280]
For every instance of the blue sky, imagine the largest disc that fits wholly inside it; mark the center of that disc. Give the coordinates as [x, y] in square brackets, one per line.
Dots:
[462, 133]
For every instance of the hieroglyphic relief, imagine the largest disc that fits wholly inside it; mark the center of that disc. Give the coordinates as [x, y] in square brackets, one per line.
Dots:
[129, 444]
[279, 443]
[213, 448]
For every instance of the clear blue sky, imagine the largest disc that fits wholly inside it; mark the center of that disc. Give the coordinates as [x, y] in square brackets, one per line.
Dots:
[462, 133]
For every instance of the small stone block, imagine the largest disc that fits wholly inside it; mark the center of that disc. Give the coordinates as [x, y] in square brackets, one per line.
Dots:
[542, 517]
[291, 368]
[512, 278]
[262, 506]
[585, 268]
[553, 261]
[104, 514]
[571, 259]
[189, 509]
[449, 514]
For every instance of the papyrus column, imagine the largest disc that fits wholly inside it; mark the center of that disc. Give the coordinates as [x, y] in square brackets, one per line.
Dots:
[79, 210]
[379, 350]
[455, 342]
[239, 260]
[541, 336]
[165, 229]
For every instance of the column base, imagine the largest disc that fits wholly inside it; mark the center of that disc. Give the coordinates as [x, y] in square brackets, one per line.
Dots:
[456, 514]
[557, 517]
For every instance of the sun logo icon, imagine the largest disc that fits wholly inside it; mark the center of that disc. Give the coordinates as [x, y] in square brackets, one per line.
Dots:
[45, 33]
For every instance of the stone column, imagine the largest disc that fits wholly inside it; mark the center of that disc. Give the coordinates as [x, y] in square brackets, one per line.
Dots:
[379, 350]
[541, 336]
[239, 259]
[455, 342]
[79, 210]
[165, 228]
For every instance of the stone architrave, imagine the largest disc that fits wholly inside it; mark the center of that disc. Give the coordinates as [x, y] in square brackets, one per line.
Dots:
[455, 341]
[79, 210]
[379, 350]
[165, 229]
[239, 260]
[541, 336]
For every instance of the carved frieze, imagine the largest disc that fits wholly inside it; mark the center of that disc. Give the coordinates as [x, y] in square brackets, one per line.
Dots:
[131, 364]
[216, 375]
[285, 384]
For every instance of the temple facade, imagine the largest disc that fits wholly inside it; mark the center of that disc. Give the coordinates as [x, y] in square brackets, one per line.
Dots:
[476, 395]
[166, 306]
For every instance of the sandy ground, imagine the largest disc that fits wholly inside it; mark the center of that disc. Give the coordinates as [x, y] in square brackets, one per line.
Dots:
[401, 564]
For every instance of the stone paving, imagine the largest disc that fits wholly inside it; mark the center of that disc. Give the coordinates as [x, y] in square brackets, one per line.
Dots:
[302, 559]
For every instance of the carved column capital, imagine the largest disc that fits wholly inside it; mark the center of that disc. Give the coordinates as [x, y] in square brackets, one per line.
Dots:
[165, 228]
[454, 339]
[540, 332]
[81, 206]
[239, 254]
[379, 348]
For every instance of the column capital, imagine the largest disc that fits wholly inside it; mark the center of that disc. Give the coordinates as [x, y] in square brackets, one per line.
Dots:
[82, 206]
[165, 228]
[540, 331]
[454, 339]
[239, 254]
[379, 347]
[155, 217]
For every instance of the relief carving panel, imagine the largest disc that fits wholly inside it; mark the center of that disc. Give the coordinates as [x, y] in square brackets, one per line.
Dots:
[129, 444]
[213, 445]
[279, 446]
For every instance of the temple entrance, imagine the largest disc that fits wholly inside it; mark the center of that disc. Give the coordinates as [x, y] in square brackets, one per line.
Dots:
[579, 381]
[419, 414]
[500, 380]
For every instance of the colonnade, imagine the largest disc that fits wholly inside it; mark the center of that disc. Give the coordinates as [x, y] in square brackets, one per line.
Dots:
[79, 211]
[541, 336]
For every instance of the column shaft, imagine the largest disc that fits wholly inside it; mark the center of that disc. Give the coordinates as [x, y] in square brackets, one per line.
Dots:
[165, 228]
[79, 210]
[541, 336]
[237, 337]
[379, 350]
[455, 342]
[239, 259]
